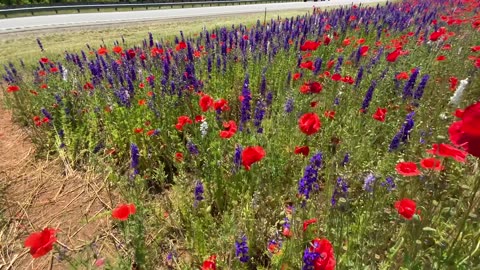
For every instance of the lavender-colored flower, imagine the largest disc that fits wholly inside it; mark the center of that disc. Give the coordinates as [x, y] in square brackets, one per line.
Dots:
[269, 98]
[369, 182]
[341, 189]
[241, 249]
[317, 66]
[407, 89]
[198, 192]
[403, 133]
[47, 114]
[258, 116]
[346, 160]
[310, 175]
[368, 96]
[309, 258]
[237, 158]
[263, 84]
[245, 109]
[289, 105]
[421, 86]
[192, 148]
[359, 77]
[40, 44]
[389, 183]
[339, 64]
[134, 158]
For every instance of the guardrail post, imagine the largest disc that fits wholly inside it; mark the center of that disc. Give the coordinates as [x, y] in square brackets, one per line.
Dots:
[78, 10]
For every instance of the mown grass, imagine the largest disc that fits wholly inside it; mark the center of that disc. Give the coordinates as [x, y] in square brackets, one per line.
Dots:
[24, 46]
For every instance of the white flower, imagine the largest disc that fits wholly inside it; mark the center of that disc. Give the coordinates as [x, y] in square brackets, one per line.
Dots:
[64, 74]
[457, 96]
[204, 128]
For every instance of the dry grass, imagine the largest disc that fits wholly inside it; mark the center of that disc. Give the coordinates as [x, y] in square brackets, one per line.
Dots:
[56, 41]
[46, 193]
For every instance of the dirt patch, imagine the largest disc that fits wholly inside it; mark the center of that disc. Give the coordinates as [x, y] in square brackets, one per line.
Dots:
[46, 193]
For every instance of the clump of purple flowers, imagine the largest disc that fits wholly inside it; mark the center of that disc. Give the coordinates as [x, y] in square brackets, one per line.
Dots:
[368, 182]
[403, 133]
[134, 156]
[198, 192]
[341, 189]
[241, 249]
[309, 179]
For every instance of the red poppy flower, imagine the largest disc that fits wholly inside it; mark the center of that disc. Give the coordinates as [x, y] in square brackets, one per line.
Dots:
[12, 88]
[336, 77]
[453, 83]
[44, 60]
[102, 51]
[199, 118]
[88, 86]
[311, 88]
[181, 121]
[307, 223]
[329, 114]
[251, 155]
[402, 76]
[151, 132]
[364, 50]
[40, 243]
[210, 263]
[180, 46]
[407, 169]
[406, 208]
[179, 156]
[117, 49]
[123, 211]
[465, 133]
[313, 104]
[309, 123]
[445, 150]
[131, 53]
[304, 150]
[273, 247]
[380, 114]
[309, 45]
[441, 57]
[205, 103]
[348, 79]
[221, 104]
[459, 113]
[346, 42]
[297, 76]
[138, 130]
[475, 48]
[142, 102]
[392, 57]
[307, 65]
[326, 257]
[435, 36]
[446, 47]
[432, 164]
[230, 128]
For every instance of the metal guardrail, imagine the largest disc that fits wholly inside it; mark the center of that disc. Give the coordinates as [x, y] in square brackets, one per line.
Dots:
[98, 7]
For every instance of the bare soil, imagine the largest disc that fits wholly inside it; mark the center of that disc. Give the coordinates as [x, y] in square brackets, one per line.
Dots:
[38, 193]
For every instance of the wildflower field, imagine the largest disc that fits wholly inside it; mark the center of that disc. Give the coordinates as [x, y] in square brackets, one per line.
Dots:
[341, 139]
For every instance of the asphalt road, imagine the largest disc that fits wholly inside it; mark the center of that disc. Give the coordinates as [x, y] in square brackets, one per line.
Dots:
[33, 23]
